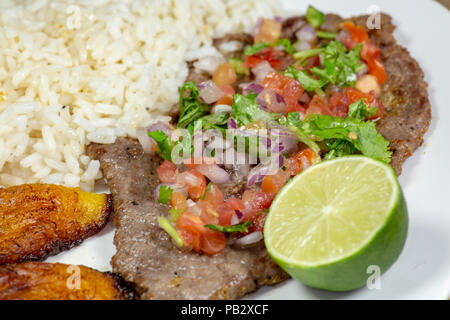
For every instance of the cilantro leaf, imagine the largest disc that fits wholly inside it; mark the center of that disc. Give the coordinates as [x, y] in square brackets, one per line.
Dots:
[238, 66]
[243, 227]
[307, 82]
[339, 65]
[362, 135]
[213, 121]
[360, 111]
[164, 194]
[314, 17]
[255, 48]
[258, 47]
[191, 106]
[165, 145]
[247, 110]
[339, 148]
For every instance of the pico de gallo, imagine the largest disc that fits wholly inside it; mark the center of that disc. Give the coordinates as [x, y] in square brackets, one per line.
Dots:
[319, 93]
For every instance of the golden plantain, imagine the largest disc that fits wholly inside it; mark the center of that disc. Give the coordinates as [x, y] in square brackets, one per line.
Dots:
[39, 220]
[56, 281]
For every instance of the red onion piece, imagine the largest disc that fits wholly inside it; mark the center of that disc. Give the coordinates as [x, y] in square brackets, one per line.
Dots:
[232, 124]
[362, 72]
[305, 99]
[261, 71]
[272, 101]
[214, 173]
[302, 46]
[209, 92]
[258, 173]
[254, 88]
[306, 33]
[234, 220]
[250, 239]
[160, 126]
[146, 142]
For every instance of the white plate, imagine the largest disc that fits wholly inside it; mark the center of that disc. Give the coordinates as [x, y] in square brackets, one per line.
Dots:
[423, 269]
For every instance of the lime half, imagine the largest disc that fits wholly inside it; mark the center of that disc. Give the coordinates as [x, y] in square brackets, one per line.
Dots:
[336, 223]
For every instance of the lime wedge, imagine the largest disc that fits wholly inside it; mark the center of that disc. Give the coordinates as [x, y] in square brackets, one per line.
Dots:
[337, 221]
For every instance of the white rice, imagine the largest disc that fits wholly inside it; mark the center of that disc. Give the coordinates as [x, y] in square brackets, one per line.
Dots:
[75, 72]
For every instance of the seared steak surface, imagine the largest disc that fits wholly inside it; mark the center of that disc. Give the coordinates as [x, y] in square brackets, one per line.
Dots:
[146, 255]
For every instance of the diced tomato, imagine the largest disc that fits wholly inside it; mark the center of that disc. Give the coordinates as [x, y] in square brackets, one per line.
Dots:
[212, 242]
[287, 87]
[235, 204]
[195, 183]
[167, 172]
[209, 215]
[370, 53]
[224, 75]
[273, 183]
[178, 201]
[318, 106]
[270, 55]
[258, 221]
[255, 201]
[376, 68]
[225, 213]
[269, 31]
[358, 33]
[338, 104]
[227, 98]
[193, 232]
[190, 228]
[214, 195]
[300, 161]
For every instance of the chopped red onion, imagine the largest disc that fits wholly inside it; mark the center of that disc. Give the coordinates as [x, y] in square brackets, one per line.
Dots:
[214, 173]
[254, 88]
[146, 142]
[306, 33]
[232, 124]
[250, 239]
[362, 72]
[258, 173]
[343, 36]
[160, 126]
[209, 91]
[234, 220]
[302, 46]
[239, 214]
[261, 71]
[272, 101]
[208, 64]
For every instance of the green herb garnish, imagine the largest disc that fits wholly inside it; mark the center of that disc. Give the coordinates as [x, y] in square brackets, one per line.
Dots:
[242, 227]
[191, 106]
[314, 17]
[165, 145]
[164, 194]
[326, 35]
[238, 66]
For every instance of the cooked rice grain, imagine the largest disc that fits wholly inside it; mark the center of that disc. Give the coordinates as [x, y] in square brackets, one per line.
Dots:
[75, 72]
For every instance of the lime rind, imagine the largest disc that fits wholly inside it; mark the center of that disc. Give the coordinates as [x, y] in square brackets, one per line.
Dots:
[347, 271]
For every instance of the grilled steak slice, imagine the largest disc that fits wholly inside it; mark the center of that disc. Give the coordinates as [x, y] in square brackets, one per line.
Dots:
[405, 94]
[146, 255]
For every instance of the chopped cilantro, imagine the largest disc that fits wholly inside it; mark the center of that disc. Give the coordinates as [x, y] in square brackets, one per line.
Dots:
[164, 194]
[165, 145]
[307, 82]
[360, 111]
[258, 47]
[174, 214]
[242, 227]
[363, 136]
[238, 66]
[326, 35]
[191, 106]
[314, 17]
[247, 110]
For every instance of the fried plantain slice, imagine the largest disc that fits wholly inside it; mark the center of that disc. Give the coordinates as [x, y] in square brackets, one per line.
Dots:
[56, 281]
[38, 220]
